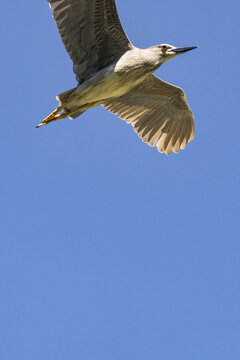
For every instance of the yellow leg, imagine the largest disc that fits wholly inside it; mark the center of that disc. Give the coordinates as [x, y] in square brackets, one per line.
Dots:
[53, 116]
[56, 116]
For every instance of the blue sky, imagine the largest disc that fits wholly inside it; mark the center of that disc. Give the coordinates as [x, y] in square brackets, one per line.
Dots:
[110, 250]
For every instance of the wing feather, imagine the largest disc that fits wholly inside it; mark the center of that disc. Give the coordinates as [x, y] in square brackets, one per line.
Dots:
[158, 112]
[91, 32]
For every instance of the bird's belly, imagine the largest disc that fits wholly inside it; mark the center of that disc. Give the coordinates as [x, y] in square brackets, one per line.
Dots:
[112, 84]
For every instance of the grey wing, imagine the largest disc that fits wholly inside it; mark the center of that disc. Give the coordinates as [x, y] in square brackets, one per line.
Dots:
[158, 112]
[91, 32]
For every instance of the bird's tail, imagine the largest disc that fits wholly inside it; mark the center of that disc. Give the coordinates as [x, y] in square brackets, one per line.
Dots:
[62, 112]
[63, 97]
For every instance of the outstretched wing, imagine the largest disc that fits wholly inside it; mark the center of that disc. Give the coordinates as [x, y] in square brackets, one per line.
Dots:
[158, 112]
[91, 32]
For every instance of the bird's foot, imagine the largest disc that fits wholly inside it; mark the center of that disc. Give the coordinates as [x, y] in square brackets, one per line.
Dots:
[54, 116]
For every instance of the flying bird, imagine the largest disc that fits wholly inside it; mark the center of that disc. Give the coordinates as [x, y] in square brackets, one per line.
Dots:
[111, 72]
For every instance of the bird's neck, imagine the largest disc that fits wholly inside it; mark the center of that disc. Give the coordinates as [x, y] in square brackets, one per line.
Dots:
[152, 57]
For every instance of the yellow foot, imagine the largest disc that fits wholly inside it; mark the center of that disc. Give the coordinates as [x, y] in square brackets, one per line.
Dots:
[56, 116]
[53, 117]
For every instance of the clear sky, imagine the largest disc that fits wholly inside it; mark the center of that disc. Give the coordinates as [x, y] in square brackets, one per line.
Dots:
[110, 250]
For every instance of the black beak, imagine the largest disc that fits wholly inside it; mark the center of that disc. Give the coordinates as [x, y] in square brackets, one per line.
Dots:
[182, 50]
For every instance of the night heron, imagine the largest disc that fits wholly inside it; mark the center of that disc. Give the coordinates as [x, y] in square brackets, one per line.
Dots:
[112, 72]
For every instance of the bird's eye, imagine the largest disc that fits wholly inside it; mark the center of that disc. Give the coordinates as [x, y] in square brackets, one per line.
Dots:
[164, 47]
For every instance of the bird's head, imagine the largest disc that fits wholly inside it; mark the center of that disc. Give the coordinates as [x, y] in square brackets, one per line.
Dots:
[167, 52]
